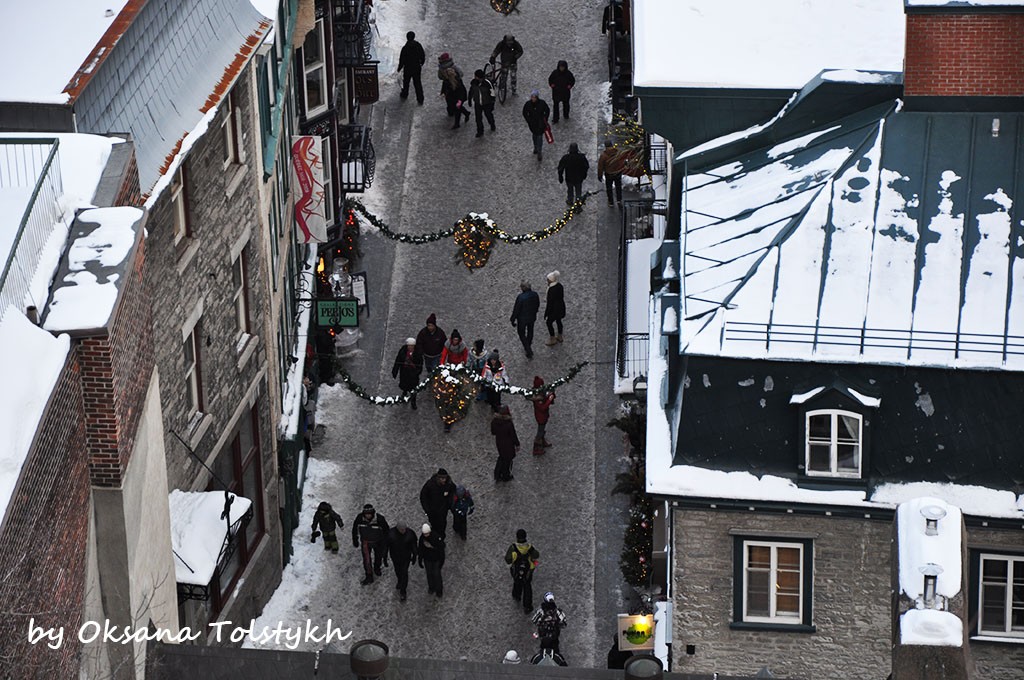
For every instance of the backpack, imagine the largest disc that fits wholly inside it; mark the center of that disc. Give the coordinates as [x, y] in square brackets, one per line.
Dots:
[486, 94]
[548, 626]
[521, 566]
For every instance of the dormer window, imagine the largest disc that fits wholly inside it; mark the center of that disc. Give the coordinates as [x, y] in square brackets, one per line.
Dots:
[833, 443]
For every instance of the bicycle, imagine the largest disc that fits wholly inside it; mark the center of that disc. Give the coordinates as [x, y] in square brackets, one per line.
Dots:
[498, 77]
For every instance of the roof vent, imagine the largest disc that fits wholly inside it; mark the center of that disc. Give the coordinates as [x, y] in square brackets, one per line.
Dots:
[931, 573]
[644, 667]
[369, 659]
[932, 515]
[995, 127]
[109, 13]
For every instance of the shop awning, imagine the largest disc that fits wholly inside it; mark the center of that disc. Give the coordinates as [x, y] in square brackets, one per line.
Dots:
[203, 536]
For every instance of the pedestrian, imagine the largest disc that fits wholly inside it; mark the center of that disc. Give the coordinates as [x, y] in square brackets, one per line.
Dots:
[430, 342]
[477, 359]
[522, 559]
[561, 81]
[370, 533]
[524, 315]
[407, 368]
[455, 352]
[549, 620]
[462, 507]
[402, 548]
[554, 308]
[326, 522]
[411, 61]
[452, 88]
[573, 168]
[511, 656]
[507, 442]
[481, 98]
[508, 51]
[494, 376]
[436, 498]
[610, 165]
[430, 553]
[536, 112]
[542, 402]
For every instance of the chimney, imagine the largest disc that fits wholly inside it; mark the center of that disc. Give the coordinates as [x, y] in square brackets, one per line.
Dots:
[368, 659]
[960, 51]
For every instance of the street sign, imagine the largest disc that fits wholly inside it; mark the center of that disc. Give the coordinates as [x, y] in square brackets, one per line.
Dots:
[337, 312]
[636, 632]
[359, 290]
[365, 84]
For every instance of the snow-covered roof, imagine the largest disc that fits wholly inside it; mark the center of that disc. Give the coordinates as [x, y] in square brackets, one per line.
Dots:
[31, 361]
[198, 532]
[883, 238]
[964, 3]
[39, 64]
[755, 44]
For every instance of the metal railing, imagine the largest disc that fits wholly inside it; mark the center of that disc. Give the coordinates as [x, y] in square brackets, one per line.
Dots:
[639, 221]
[657, 157]
[351, 32]
[642, 219]
[29, 171]
[631, 356]
[356, 158]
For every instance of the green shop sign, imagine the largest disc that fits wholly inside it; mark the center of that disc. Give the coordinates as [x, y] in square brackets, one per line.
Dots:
[337, 312]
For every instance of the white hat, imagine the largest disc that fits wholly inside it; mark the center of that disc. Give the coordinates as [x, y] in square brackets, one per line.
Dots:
[410, 341]
[549, 596]
[553, 276]
[511, 657]
[425, 529]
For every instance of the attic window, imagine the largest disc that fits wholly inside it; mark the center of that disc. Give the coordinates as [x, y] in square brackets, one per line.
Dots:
[833, 441]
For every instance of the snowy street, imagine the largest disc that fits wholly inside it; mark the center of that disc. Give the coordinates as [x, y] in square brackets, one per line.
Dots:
[428, 176]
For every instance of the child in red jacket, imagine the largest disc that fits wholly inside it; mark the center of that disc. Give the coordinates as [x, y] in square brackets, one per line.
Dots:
[541, 405]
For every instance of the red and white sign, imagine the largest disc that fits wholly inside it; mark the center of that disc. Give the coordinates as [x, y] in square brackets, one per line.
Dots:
[308, 165]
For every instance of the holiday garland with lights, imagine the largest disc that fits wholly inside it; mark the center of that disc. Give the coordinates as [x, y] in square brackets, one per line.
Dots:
[628, 138]
[505, 7]
[638, 541]
[473, 240]
[453, 393]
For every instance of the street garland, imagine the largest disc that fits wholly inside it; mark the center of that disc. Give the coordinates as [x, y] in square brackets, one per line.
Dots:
[505, 7]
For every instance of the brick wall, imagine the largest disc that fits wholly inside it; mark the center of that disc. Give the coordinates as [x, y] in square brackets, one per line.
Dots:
[964, 55]
[44, 538]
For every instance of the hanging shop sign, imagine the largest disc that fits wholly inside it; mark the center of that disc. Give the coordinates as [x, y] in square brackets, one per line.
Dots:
[308, 169]
[636, 632]
[365, 83]
[359, 290]
[343, 313]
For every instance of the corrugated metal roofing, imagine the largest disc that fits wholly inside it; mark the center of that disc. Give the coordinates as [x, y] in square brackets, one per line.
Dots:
[173, 63]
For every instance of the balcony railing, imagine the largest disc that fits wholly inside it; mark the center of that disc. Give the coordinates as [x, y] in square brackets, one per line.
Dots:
[29, 176]
[631, 356]
[356, 159]
[351, 32]
[657, 157]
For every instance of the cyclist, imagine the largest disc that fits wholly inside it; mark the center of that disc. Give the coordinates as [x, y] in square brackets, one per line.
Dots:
[509, 50]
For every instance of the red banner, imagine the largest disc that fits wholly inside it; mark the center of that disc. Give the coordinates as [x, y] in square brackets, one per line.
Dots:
[308, 166]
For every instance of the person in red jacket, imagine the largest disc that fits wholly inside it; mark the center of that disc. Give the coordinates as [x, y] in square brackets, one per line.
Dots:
[541, 405]
[455, 350]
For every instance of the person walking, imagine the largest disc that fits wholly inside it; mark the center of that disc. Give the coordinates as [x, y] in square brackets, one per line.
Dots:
[507, 442]
[508, 51]
[452, 88]
[573, 168]
[524, 315]
[430, 553]
[554, 308]
[455, 352]
[410, 64]
[542, 402]
[407, 368]
[535, 112]
[549, 620]
[494, 376]
[561, 81]
[522, 559]
[609, 168]
[477, 360]
[462, 507]
[436, 498]
[481, 98]
[430, 342]
[326, 522]
[402, 549]
[370, 533]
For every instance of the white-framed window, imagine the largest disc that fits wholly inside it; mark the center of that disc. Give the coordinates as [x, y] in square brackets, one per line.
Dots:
[193, 373]
[1001, 595]
[179, 205]
[231, 130]
[834, 443]
[773, 580]
[342, 98]
[240, 292]
[314, 68]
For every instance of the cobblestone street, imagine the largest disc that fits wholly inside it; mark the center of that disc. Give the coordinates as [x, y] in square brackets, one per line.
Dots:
[428, 176]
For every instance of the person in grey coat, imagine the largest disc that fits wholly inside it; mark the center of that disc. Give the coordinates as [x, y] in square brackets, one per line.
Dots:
[524, 315]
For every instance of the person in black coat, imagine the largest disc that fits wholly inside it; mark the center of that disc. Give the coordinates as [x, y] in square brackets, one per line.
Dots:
[407, 368]
[370, 533]
[524, 315]
[452, 88]
[430, 343]
[573, 168]
[481, 98]
[411, 61]
[554, 308]
[430, 553]
[436, 498]
[561, 81]
[402, 548]
[536, 112]
[326, 521]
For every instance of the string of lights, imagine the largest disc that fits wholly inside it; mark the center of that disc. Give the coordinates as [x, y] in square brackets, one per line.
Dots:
[505, 7]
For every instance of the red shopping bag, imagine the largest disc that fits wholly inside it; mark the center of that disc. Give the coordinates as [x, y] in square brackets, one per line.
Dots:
[548, 134]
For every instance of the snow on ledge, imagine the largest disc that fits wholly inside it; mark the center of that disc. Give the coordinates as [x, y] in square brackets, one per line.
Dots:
[931, 627]
[198, 532]
[917, 549]
[801, 397]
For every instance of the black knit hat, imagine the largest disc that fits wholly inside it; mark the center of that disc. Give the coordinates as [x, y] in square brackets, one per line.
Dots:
[441, 472]
[368, 508]
[521, 535]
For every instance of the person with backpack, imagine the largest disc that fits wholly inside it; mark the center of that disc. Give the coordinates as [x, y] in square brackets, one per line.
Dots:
[522, 559]
[452, 88]
[402, 548]
[462, 508]
[508, 50]
[549, 620]
[411, 60]
[430, 552]
[481, 98]
[326, 521]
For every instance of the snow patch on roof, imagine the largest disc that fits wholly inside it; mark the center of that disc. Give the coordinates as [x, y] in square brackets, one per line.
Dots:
[293, 383]
[801, 397]
[198, 532]
[917, 549]
[735, 136]
[931, 627]
[787, 147]
[857, 76]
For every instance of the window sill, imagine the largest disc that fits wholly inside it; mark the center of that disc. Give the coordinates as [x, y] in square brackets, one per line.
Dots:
[777, 627]
[236, 172]
[196, 434]
[187, 255]
[824, 483]
[246, 351]
[997, 639]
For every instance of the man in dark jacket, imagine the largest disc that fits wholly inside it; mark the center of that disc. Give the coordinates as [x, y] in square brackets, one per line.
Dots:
[370, 532]
[436, 499]
[430, 552]
[509, 50]
[326, 521]
[561, 81]
[522, 560]
[481, 98]
[506, 441]
[407, 368]
[430, 342]
[524, 314]
[573, 168]
[536, 112]
[402, 548]
[411, 61]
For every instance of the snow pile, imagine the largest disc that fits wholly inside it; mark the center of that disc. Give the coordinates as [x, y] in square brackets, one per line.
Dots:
[978, 501]
[916, 549]
[31, 361]
[198, 532]
[662, 630]
[857, 76]
[931, 627]
[293, 383]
